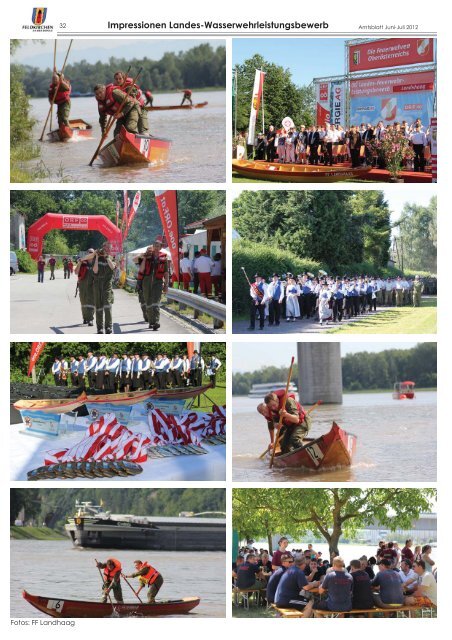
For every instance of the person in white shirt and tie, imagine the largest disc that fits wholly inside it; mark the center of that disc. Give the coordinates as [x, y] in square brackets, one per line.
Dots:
[146, 371]
[111, 372]
[176, 369]
[56, 372]
[161, 368]
[213, 364]
[419, 141]
[90, 367]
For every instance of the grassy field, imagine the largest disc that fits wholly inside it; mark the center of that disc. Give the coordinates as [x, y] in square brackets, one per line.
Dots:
[263, 612]
[396, 320]
[35, 533]
[238, 178]
[217, 396]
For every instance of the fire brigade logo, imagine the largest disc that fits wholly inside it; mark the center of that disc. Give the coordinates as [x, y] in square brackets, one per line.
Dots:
[356, 57]
[39, 16]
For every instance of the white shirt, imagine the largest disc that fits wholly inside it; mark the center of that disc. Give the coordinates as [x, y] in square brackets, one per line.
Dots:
[90, 363]
[418, 137]
[101, 364]
[216, 268]
[427, 584]
[271, 290]
[255, 296]
[81, 367]
[56, 367]
[146, 364]
[113, 365]
[186, 265]
[125, 365]
[214, 364]
[203, 264]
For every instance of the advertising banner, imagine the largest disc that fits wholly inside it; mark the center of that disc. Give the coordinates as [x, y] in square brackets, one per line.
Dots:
[132, 212]
[322, 92]
[255, 103]
[390, 52]
[167, 206]
[337, 103]
[433, 137]
[399, 97]
[36, 350]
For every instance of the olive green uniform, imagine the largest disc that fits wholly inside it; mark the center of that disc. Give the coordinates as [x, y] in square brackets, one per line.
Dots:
[154, 588]
[86, 293]
[103, 294]
[418, 288]
[114, 583]
[131, 116]
[63, 113]
[399, 297]
[291, 435]
[152, 291]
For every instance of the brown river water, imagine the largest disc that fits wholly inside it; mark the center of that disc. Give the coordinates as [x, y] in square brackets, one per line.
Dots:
[197, 153]
[396, 440]
[75, 576]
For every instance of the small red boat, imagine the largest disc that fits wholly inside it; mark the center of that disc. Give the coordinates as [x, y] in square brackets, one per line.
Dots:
[132, 148]
[198, 105]
[76, 129]
[334, 449]
[404, 390]
[63, 608]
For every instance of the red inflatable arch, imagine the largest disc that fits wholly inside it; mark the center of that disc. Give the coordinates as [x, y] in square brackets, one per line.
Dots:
[69, 222]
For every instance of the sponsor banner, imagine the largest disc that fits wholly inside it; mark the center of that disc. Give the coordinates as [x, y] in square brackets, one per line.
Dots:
[74, 222]
[255, 103]
[322, 103]
[132, 212]
[167, 206]
[337, 103]
[390, 52]
[434, 147]
[389, 99]
[36, 350]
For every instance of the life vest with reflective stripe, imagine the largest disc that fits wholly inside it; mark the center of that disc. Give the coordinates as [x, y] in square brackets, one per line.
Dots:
[152, 574]
[109, 105]
[109, 574]
[160, 268]
[280, 395]
[63, 95]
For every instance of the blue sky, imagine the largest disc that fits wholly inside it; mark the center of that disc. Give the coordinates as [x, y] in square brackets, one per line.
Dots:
[307, 58]
[252, 356]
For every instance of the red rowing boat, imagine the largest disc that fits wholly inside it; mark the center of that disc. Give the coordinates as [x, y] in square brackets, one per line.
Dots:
[76, 129]
[132, 148]
[63, 608]
[198, 105]
[334, 449]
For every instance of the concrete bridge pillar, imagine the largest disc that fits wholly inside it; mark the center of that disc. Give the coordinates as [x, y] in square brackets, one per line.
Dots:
[319, 372]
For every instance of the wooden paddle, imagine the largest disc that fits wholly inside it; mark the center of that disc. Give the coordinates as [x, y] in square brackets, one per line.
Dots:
[108, 590]
[314, 406]
[113, 118]
[278, 428]
[54, 68]
[132, 588]
[56, 91]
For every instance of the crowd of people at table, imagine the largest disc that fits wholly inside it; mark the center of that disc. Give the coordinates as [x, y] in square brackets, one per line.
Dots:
[330, 144]
[303, 580]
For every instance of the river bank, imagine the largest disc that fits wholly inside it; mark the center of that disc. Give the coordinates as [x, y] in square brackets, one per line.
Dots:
[35, 533]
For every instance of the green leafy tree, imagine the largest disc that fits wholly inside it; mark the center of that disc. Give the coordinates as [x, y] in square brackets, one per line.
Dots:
[417, 237]
[329, 513]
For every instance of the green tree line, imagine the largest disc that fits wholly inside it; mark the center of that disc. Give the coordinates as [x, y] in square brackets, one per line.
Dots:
[20, 353]
[282, 97]
[199, 67]
[192, 206]
[54, 506]
[361, 371]
[417, 239]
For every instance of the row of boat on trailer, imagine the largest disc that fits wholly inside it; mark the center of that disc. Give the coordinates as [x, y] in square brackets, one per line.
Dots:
[126, 147]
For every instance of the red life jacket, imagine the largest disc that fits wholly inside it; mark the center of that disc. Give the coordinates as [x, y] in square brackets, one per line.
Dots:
[109, 574]
[280, 395]
[187, 92]
[152, 574]
[138, 95]
[148, 94]
[82, 271]
[108, 105]
[63, 95]
[160, 269]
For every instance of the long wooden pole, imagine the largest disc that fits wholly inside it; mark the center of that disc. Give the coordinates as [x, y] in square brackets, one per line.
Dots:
[132, 588]
[108, 590]
[54, 68]
[309, 411]
[56, 91]
[278, 429]
[113, 118]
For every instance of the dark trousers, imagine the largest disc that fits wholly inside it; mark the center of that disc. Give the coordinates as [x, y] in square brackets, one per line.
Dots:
[136, 381]
[314, 154]
[274, 312]
[92, 378]
[356, 305]
[161, 379]
[328, 155]
[354, 153]
[74, 379]
[419, 160]
[110, 380]
[146, 379]
[57, 378]
[349, 307]
[270, 152]
[100, 379]
[176, 378]
[338, 306]
[260, 309]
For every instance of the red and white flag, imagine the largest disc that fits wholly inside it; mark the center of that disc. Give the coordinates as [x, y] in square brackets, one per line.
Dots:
[255, 104]
[36, 350]
[132, 212]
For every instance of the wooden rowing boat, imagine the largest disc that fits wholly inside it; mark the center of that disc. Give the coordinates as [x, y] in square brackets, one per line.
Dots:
[63, 608]
[131, 148]
[198, 105]
[76, 129]
[134, 397]
[295, 172]
[334, 449]
[51, 405]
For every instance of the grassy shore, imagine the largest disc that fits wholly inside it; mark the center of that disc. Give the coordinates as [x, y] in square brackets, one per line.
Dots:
[263, 612]
[217, 396]
[35, 533]
[395, 320]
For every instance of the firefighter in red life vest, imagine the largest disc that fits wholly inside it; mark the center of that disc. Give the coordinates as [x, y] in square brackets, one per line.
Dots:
[296, 422]
[149, 98]
[154, 274]
[187, 96]
[85, 287]
[123, 82]
[112, 579]
[62, 98]
[148, 576]
[109, 100]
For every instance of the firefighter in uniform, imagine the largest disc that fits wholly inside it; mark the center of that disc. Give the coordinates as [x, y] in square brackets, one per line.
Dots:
[418, 288]
[110, 99]
[296, 422]
[154, 274]
[84, 271]
[62, 97]
[103, 272]
[123, 83]
[139, 288]
[148, 576]
[112, 579]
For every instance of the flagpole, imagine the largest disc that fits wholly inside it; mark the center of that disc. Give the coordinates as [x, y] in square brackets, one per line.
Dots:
[263, 110]
[236, 97]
